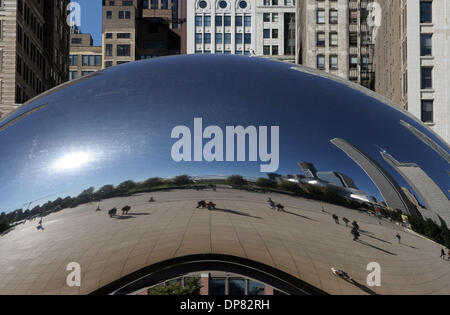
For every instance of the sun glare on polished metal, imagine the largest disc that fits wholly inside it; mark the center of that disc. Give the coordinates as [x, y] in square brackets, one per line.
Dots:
[241, 173]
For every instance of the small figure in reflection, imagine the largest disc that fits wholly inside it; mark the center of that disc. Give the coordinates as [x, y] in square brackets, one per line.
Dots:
[151, 199]
[341, 273]
[355, 225]
[271, 203]
[126, 209]
[443, 253]
[98, 208]
[40, 226]
[280, 207]
[355, 234]
[112, 212]
[211, 205]
[201, 204]
[346, 221]
[399, 238]
[335, 218]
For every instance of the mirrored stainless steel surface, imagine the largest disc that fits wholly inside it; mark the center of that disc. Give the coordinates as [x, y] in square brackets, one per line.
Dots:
[176, 130]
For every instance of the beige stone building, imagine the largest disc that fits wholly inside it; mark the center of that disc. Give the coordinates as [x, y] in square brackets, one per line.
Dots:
[34, 49]
[412, 59]
[334, 36]
[85, 58]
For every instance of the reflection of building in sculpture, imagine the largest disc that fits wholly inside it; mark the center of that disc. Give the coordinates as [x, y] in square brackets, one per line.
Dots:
[412, 197]
[427, 140]
[218, 283]
[337, 179]
[431, 195]
[388, 187]
[308, 169]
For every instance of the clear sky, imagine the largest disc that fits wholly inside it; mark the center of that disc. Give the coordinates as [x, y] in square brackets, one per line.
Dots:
[91, 19]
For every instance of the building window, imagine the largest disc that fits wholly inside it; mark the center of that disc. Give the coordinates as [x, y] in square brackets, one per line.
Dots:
[238, 38]
[109, 35]
[207, 38]
[320, 16]
[266, 17]
[426, 11]
[76, 41]
[247, 38]
[108, 64]
[266, 50]
[333, 39]
[427, 77]
[321, 62]
[227, 38]
[334, 62]
[207, 20]
[227, 20]
[73, 60]
[217, 286]
[219, 20]
[219, 38]
[320, 39]
[353, 61]
[108, 49]
[266, 33]
[123, 50]
[73, 75]
[198, 38]
[238, 20]
[275, 33]
[425, 44]
[427, 111]
[198, 20]
[247, 21]
[333, 16]
[275, 50]
[123, 35]
[109, 15]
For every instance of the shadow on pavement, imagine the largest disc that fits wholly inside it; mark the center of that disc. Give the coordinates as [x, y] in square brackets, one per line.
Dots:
[380, 249]
[299, 215]
[361, 287]
[235, 212]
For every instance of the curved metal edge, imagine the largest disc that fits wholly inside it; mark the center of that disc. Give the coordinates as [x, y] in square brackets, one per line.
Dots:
[179, 266]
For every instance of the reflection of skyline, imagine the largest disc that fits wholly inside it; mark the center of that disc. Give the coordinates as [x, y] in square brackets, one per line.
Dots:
[390, 190]
[429, 193]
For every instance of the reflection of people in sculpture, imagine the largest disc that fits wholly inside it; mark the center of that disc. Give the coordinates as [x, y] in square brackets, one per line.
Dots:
[271, 203]
[341, 273]
[201, 204]
[126, 209]
[112, 212]
[98, 208]
[355, 233]
[211, 205]
[151, 199]
[280, 207]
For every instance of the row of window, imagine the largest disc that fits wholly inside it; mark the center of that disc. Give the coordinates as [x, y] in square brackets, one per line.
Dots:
[154, 4]
[276, 2]
[223, 20]
[321, 41]
[29, 76]
[122, 50]
[123, 15]
[426, 73]
[30, 49]
[225, 38]
[118, 35]
[321, 16]
[223, 4]
[30, 19]
[87, 60]
[225, 52]
[124, 3]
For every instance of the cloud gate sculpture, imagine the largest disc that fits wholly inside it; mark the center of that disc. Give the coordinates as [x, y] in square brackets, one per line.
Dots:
[219, 165]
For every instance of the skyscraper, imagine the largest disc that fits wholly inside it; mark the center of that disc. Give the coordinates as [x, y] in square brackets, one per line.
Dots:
[308, 169]
[263, 28]
[388, 187]
[142, 29]
[334, 36]
[412, 59]
[431, 195]
[34, 49]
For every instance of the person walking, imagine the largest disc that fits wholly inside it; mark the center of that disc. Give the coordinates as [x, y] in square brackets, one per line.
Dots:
[355, 225]
[336, 218]
[442, 254]
[355, 234]
[398, 238]
[271, 203]
[346, 221]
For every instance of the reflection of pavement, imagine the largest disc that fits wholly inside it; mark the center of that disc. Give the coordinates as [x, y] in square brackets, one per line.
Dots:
[304, 242]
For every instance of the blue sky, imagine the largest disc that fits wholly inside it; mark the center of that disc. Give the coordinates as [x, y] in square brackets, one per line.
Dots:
[91, 19]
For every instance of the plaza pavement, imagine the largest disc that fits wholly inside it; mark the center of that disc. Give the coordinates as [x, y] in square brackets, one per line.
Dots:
[304, 242]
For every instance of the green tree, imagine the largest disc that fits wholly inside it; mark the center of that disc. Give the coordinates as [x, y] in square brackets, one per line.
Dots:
[191, 286]
[125, 187]
[236, 180]
[265, 182]
[182, 180]
[152, 182]
[105, 192]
